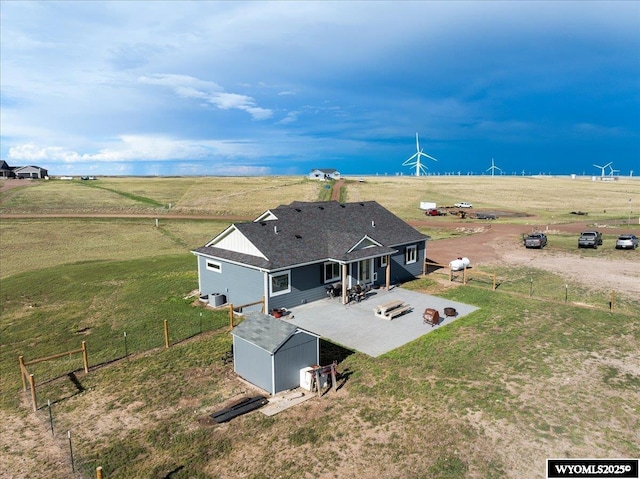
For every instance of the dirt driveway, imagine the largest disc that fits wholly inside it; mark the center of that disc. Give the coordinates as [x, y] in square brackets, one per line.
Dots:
[500, 245]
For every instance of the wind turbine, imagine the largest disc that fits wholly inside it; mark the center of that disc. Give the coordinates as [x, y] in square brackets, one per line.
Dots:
[493, 167]
[420, 168]
[612, 172]
[602, 167]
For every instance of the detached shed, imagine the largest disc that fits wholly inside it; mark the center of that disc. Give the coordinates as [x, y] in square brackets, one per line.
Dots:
[270, 352]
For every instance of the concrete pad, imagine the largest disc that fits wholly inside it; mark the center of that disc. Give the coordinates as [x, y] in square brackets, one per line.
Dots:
[281, 403]
[355, 325]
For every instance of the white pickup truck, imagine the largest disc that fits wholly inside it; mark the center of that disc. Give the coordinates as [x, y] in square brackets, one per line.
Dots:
[464, 204]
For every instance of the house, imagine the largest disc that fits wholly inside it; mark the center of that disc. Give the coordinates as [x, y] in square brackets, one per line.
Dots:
[30, 172]
[7, 171]
[270, 352]
[293, 254]
[324, 174]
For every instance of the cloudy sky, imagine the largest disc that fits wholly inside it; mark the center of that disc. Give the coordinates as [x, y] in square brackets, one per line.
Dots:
[265, 88]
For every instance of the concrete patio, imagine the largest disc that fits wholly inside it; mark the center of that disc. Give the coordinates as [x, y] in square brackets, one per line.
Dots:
[356, 327]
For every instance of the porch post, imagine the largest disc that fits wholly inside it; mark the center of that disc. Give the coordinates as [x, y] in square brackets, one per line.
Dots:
[344, 283]
[424, 262]
[388, 272]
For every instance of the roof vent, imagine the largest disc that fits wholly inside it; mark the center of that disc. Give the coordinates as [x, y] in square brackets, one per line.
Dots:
[321, 207]
[361, 204]
[298, 236]
[373, 224]
[275, 229]
[298, 210]
[342, 205]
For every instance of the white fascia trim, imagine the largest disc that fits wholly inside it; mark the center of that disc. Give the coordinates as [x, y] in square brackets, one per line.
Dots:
[364, 238]
[226, 232]
[266, 216]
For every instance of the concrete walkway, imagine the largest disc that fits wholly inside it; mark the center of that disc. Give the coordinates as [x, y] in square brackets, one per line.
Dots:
[355, 326]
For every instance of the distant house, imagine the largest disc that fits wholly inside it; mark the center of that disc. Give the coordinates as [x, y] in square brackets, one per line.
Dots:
[270, 352]
[7, 171]
[30, 172]
[324, 174]
[293, 254]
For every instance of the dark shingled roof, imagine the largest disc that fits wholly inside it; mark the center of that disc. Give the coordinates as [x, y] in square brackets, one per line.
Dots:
[264, 331]
[320, 231]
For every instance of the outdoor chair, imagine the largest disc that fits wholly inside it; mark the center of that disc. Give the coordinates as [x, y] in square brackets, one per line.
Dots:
[431, 316]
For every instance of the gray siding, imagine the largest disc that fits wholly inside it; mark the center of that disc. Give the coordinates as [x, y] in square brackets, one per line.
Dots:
[307, 284]
[404, 272]
[300, 351]
[240, 284]
[252, 363]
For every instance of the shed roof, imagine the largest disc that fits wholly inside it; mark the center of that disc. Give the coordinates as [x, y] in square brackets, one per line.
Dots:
[265, 331]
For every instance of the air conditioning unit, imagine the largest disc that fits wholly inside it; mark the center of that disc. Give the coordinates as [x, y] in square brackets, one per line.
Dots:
[217, 299]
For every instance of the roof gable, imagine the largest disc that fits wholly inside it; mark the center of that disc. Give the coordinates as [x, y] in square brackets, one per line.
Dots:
[266, 216]
[233, 240]
[365, 242]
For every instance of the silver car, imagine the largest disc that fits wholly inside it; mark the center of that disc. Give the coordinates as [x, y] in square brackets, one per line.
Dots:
[627, 242]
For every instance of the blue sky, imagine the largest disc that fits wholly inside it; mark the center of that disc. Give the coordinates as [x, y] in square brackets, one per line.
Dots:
[266, 88]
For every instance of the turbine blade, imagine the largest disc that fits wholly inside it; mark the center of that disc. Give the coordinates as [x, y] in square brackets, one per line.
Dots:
[427, 156]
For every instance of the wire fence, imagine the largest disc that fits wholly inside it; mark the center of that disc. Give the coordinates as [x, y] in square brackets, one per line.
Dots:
[61, 376]
[545, 287]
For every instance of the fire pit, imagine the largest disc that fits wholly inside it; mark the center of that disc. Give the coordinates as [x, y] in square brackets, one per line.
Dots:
[450, 312]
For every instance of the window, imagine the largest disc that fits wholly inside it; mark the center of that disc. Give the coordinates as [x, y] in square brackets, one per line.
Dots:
[383, 261]
[280, 283]
[411, 254]
[214, 266]
[331, 272]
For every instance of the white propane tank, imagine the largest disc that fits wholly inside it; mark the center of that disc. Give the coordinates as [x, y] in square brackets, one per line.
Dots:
[456, 265]
[459, 264]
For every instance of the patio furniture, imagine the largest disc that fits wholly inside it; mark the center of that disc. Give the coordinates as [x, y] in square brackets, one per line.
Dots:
[357, 293]
[383, 308]
[431, 316]
[334, 290]
[450, 312]
[391, 310]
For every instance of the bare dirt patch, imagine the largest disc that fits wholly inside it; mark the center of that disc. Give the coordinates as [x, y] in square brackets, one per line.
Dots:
[498, 244]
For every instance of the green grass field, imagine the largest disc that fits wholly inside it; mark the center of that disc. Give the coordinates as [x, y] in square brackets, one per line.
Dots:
[489, 396]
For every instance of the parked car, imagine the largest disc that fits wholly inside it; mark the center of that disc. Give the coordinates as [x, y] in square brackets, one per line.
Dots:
[627, 242]
[535, 240]
[590, 239]
[435, 212]
[464, 204]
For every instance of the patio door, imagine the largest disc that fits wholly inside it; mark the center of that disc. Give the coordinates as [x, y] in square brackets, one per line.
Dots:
[363, 273]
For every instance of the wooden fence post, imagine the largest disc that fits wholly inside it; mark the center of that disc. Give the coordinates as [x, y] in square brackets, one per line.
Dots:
[166, 334]
[230, 315]
[22, 368]
[494, 281]
[464, 275]
[32, 383]
[99, 472]
[85, 360]
[613, 300]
